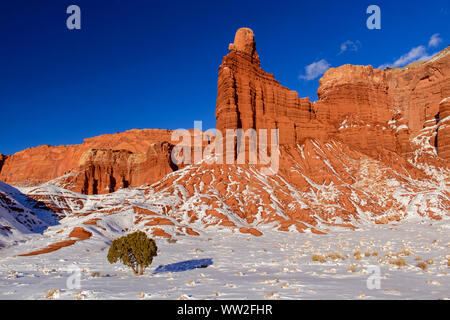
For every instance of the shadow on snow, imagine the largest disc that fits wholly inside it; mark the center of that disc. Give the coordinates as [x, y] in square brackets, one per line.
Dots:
[184, 265]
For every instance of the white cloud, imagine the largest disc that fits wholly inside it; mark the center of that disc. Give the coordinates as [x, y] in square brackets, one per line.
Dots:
[435, 40]
[350, 46]
[315, 70]
[415, 54]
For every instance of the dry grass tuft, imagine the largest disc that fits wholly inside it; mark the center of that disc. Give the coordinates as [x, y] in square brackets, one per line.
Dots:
[357, 255]
[318, 258]
[335, 256]
[400, 262]
[52, 293]
[351, 268]
[404, 252]
[390, 255]
[422, 265]
[429, 261]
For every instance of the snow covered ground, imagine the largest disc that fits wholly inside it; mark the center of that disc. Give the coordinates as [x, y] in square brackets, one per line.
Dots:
[277, 265]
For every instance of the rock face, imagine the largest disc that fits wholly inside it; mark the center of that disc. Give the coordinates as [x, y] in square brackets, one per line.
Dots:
[371, 111]
[368, 109]
[359, 91]
[250, 98]
[103, 171]
[413, 92]
[399, 101]
[2, 161]
[21, 215]
[367, 151]
[443, 136]
[100, 165]
[418, 88]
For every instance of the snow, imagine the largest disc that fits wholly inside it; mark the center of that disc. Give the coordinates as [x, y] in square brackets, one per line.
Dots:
[403, 126]
[236, 266]
[444, 120]
[221, 262]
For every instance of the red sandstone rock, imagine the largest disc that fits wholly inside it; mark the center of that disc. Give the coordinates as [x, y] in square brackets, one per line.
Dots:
[443, 135]
[158, 232]
[252, 231]
[80, 233]
[371, 111]
[403, 98]
[52, 247]
[249, 98]
[100, 165]
[342, 158]
[104, 171]
[2, 161]
[77, 232]
[191, 232]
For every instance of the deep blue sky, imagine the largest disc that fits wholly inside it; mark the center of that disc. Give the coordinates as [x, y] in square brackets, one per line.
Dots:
[148, 64]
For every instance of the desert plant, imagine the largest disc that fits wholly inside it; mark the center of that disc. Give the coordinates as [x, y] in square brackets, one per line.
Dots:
[422, 265]
[318, 258]
[95, 274]
[351, 268]
[400, 262]
[334, 256]
[358, 255]
[134, 250]
[404, 252]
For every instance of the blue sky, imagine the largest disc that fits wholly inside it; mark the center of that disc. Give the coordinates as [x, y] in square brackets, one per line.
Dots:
[153, 64]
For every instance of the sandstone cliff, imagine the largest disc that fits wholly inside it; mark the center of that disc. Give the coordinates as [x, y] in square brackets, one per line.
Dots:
[443, 135]
[365, 152]
[248, 97]
[400, 101]
[372, 111]
[369, 109]
[2, 161]
[100, 165]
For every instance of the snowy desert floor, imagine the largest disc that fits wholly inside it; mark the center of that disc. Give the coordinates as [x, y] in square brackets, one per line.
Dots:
[276, 265]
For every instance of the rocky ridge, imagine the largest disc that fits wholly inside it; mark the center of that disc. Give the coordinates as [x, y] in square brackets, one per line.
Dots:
[373, 149]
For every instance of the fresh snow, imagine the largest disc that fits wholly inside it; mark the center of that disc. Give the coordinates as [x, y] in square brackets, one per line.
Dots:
[225, 265]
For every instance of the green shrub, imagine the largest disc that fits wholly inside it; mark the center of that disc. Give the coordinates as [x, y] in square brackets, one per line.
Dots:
[135, 250]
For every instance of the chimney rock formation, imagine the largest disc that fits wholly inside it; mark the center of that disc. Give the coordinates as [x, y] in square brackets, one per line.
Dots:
[372, 111]
[368, 109]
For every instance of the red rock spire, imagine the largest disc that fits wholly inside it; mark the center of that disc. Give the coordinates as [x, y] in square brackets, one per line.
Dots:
[244, 41]
[248, 97]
